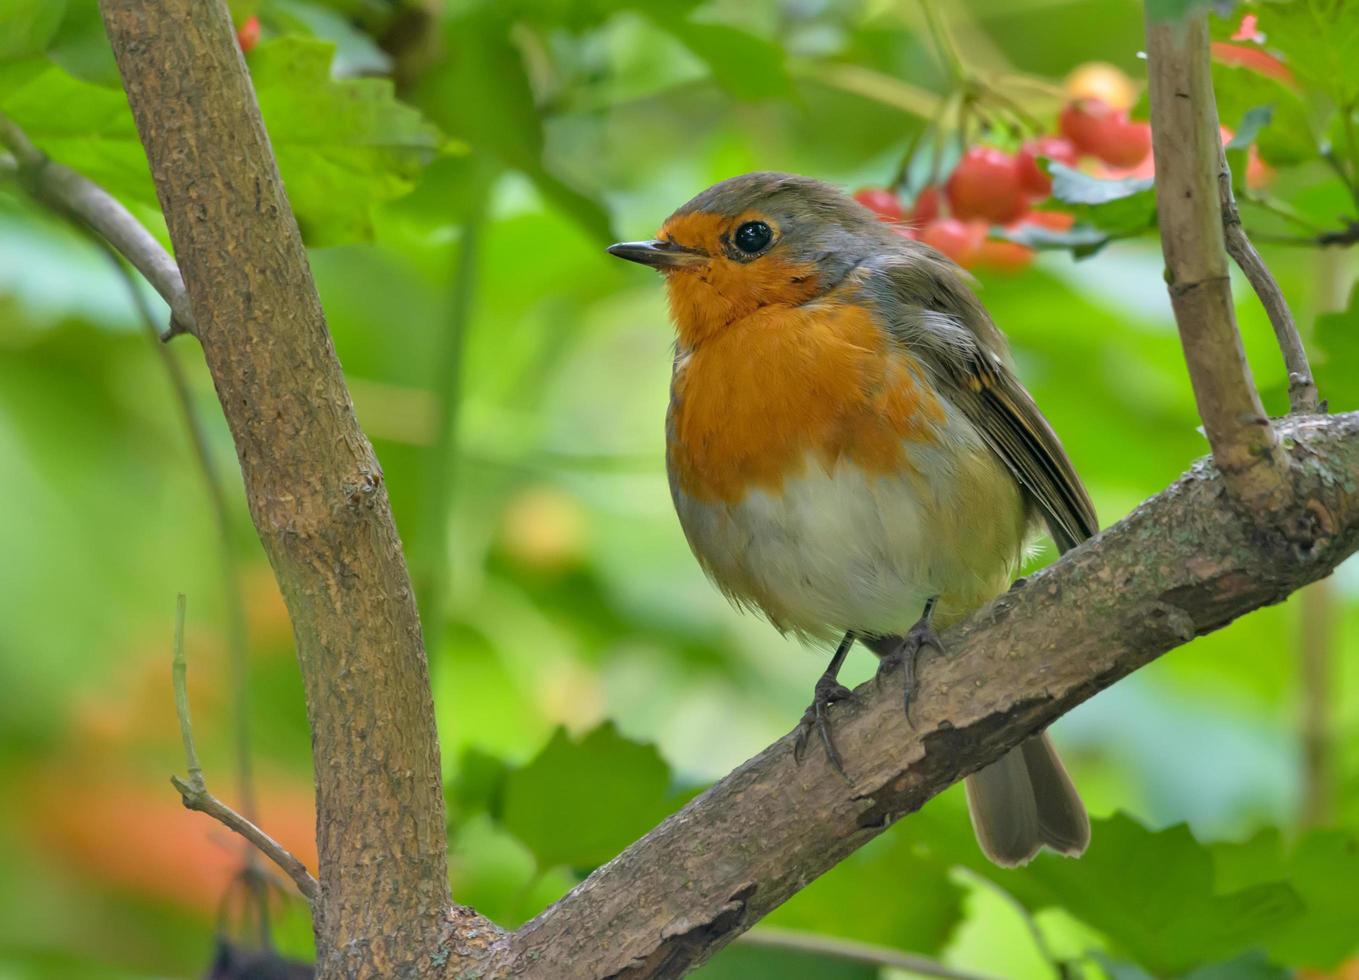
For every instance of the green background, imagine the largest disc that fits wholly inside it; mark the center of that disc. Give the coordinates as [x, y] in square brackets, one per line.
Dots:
[457, 170]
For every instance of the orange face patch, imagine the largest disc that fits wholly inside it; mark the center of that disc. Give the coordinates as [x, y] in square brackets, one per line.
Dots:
[782, 385]
[705, 299]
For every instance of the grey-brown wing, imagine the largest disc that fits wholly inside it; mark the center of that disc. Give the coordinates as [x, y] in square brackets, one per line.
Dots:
[933, 312]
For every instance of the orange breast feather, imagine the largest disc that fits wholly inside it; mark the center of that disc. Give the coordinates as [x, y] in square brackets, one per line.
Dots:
[785, 386]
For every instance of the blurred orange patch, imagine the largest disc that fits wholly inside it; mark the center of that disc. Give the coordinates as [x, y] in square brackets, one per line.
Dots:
[130, 833]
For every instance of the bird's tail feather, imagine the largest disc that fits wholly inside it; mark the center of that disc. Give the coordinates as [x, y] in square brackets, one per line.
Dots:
[1024, 801]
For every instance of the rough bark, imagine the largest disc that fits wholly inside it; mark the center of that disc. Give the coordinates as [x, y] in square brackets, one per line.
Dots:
[314, 486]
[1187, 147]
[1183, 564]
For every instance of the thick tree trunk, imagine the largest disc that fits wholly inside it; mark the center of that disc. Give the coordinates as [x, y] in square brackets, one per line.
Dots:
[314, 486]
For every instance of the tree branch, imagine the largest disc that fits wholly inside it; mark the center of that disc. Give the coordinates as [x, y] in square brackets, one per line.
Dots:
[1187, 145]
[1180, 565]
[1302, 387]
[314, 487]
[194, 790]
[77, 197]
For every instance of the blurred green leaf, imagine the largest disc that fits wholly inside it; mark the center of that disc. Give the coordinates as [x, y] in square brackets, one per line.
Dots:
[741, 961]
[1245, 95]
[747, 66]
[580, 803]
[1104, 210]
[26, 26]
[1153, 894]
[81, 47]
[1337, 340]
[893, 892]
[1319, 41]
[483, 95]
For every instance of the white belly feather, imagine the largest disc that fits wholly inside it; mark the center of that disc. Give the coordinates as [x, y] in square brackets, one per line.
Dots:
[838, 550]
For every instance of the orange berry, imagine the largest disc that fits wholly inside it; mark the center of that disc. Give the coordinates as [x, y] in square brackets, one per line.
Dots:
[1003, 256]
[1098, 80]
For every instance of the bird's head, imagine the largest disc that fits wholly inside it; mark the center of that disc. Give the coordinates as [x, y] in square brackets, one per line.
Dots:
[757, 240]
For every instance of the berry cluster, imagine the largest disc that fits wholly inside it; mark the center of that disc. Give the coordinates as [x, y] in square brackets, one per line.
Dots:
[991, 193]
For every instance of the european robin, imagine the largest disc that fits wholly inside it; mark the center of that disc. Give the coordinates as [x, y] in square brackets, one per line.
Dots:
[851, 455]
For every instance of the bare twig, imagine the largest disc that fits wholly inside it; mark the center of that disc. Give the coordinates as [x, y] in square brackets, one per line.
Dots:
[78, 197]
[868, 954]
[194, 790]
[1187, 144]
[1302, 388]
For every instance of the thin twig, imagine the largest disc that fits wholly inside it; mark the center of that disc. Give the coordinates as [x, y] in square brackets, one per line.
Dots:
[194, 791]
[237, 650]
[1302, 388]
[443, 452]
[76, 196]
[770, 937]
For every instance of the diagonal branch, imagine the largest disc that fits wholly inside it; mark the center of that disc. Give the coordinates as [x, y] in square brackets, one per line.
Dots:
[1179, 566]
[1187, 144]
[1302, 387]
[194, 790]
[75, 196]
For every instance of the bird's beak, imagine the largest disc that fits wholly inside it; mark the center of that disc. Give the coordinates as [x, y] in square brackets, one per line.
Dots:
[658, 254]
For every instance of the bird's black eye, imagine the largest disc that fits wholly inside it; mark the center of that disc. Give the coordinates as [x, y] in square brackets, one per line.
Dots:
[752, 237]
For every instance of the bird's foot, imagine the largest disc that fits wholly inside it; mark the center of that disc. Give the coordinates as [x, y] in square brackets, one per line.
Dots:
[817, 716]
[906, 654]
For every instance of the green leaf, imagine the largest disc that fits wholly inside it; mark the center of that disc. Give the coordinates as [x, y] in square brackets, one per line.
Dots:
[482, 94]
[1071, 186]
[580, 803]
[745, 65]
[342, 145]
[1319, 41]
[26, 26]
[1153, 893]
[1337, 341]
[81, 47]
[1247, 966]
[742, 961]
[1111, 208]
[848, 900]
[1288, 138]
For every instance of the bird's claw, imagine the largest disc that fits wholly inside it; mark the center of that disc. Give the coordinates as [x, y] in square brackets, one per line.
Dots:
[817, 716]
[906, 655]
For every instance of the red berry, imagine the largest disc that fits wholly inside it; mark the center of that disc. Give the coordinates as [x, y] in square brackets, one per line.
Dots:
[926, 206]
[959, 240]
[1005, 256]
[1032, 177]
[248, 34]
[882, 202]
[986, 185]
[1096, 128]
